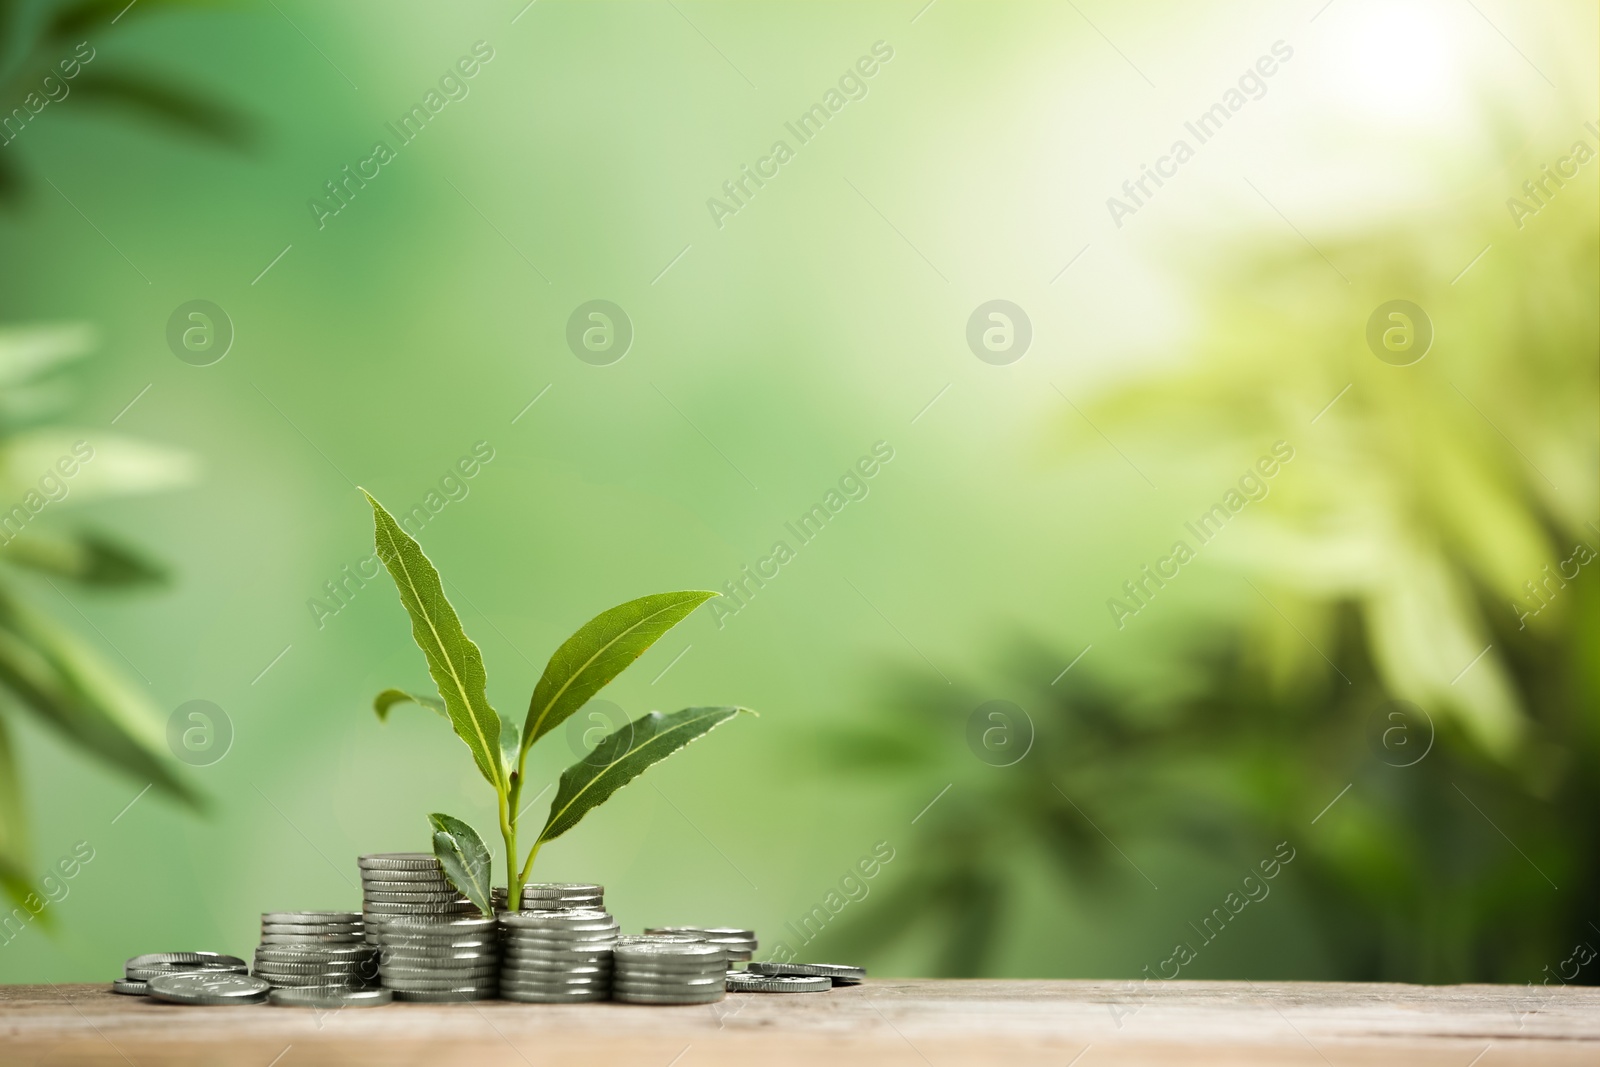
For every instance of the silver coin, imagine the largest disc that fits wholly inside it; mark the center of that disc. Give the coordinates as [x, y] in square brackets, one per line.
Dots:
[541, 997]
[214, 987]
[413, 896]
[399, 861]
[352, 926]
[312, 918]
[668, 950]
[129, 987]
[400, 874]
[628, 997]
[715, 966]
[317, 981]
[778, 983]
[556, 959]
[659, 982]
[314, 936]
[535, 974]
[386, 909]
[395, 954]
[445, 997]
[171, 962]
[436, 970]
[563, 888]
[556, 989]
[425, 924]
[308, 941]
[300, 970]
[665, 939]
[329, 998]
[301, 953]
[841, 973]
[439, 948]
[442, 985]
[709, 933]
[144, 974]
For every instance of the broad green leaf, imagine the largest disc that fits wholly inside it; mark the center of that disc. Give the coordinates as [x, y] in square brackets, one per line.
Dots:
[465, 858]
[453, 660]
[600, 650]
[390, 697]
[87, 557]
[622, 757]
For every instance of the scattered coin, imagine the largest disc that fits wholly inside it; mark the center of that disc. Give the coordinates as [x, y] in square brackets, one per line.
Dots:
[209, 988]
[745, 982]
[130, 987]
[841, 973]
[322, 997]
[151, 964]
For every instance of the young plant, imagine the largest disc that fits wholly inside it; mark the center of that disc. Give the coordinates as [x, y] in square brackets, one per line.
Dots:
[599, 651]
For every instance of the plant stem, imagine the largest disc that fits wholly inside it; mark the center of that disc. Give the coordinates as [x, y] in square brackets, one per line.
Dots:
[508, 832]
[526, 867]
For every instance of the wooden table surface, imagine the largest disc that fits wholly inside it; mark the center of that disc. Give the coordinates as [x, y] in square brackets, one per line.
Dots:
[920, 1023]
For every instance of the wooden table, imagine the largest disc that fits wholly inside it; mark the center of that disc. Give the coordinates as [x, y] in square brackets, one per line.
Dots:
[882, 1024]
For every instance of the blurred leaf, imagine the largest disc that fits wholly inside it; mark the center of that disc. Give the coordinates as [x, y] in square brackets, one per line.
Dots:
[13, 822]
[48, 672]
[465, 859]
[87, 557]
[26, 352]
[453, 660]
[621, 757]
[601, 649]
[390, 697]
[76, 19]
[179, 108]
[103, 465]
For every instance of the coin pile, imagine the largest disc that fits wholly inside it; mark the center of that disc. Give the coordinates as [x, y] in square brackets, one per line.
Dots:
[321, 950]
[741, 944]
[138, 971]
[667, 970]
[439, 960]
[557, 955]
[410, 885]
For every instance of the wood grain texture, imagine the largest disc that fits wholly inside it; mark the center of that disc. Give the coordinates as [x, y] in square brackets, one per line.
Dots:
[922, 1023]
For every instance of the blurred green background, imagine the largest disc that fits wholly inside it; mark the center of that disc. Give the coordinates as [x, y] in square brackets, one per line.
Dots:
[1369, 607]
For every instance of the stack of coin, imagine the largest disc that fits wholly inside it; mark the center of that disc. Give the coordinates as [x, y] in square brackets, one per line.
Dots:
[323, 950]
[408, 884]
[741, 944]
[557, 955]
[544, 896]
[140, 969]
[663, 971]
[440, 960]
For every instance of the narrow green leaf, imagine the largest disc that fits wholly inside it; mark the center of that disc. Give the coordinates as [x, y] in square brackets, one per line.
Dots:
[453, 660]
[390, 697]
[600, 650]
[622, 757]
[465, 858]
[183, 109]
